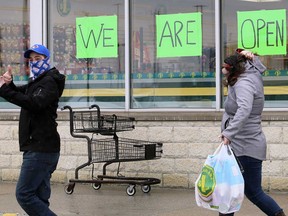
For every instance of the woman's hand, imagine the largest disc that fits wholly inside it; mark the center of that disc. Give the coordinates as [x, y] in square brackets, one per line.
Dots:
[247, 54]
[225, 140]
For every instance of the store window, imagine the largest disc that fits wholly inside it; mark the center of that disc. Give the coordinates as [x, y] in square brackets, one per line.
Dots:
[173, 54]
[260, 26]
[76, 29]
[14, 40]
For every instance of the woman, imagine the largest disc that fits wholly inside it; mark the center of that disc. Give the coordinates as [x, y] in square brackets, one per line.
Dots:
[241, 124]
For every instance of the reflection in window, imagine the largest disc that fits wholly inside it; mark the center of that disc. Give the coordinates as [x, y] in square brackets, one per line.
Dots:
[183, 81]
[14, 40]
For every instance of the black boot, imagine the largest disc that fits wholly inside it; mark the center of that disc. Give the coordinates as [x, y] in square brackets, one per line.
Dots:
[281, 213]
[230, 214]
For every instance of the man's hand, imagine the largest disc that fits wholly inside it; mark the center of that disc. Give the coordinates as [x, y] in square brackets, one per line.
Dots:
[7, 76]
[2, 82]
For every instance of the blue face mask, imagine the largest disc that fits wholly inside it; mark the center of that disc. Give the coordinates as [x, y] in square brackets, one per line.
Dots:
[38, 67]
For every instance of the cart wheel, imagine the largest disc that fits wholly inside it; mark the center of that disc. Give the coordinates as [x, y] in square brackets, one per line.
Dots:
[69, 188]
[96, 186]
[145, 188]
[131, 190]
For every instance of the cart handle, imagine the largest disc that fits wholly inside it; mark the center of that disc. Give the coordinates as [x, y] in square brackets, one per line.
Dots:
[98, 113]
[93, 106]
[66, 107]
[71, 117]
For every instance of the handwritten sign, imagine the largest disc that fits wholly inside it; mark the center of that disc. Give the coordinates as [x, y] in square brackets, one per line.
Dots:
[96, 37]
[263, 31]
[179, 35]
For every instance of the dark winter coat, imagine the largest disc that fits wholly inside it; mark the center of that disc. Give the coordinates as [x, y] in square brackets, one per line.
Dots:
[39, 102]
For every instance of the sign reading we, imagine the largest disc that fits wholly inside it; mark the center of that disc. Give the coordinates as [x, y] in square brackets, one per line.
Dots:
[179, 35]
[96, 37]
[263, 31]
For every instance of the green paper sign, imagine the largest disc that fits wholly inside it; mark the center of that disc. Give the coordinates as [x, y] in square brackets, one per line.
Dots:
[179, 35]
[96, 37]
[263, 31]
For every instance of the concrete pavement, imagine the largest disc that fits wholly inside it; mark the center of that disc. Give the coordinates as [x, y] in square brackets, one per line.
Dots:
[112, 200]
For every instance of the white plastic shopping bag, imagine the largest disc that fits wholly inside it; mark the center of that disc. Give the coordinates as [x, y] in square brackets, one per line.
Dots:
[220, 185]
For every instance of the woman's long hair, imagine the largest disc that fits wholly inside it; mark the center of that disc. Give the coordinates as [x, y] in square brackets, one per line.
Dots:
[235, 65]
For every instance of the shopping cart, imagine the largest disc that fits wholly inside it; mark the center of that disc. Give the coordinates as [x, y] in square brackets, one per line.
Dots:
[87, 124]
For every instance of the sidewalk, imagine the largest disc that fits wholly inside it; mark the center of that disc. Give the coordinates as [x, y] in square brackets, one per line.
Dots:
[112, 200]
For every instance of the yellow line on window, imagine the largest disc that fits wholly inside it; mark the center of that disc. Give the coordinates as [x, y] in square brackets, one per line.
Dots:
[276, 90]
[205, 91]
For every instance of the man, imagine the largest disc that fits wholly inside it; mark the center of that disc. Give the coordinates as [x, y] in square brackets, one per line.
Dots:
[38, 137]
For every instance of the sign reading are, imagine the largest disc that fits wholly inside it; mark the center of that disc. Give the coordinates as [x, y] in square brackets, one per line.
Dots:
[96, 37]
[263, 31]
[179, 35]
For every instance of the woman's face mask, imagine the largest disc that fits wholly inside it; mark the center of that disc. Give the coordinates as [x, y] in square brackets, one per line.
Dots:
[226, 69]
[38, 64]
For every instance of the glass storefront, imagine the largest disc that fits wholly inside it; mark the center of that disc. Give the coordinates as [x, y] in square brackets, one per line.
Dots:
[90, 79]
[168, 79]
[180, 81]
[260, 26]
[14, 40]
[169, 61]
[185, 79]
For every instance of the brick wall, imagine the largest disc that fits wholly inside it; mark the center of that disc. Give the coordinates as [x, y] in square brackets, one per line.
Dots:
[186, 144]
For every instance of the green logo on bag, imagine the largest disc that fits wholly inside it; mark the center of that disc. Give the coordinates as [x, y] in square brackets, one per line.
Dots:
[207, 182]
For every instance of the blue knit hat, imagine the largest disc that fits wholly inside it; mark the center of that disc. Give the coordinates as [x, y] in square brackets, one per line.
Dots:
[38, 48]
